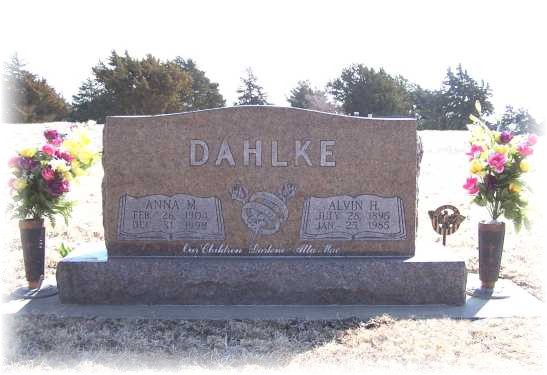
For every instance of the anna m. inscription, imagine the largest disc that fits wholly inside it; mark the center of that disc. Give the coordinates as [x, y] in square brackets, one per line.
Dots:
[366, 217]
[180, 217]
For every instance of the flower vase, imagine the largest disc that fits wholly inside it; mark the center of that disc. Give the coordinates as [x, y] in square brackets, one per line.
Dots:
[491, 236]
[33, 233]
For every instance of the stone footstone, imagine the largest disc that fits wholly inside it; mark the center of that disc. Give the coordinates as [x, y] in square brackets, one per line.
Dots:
[432, 276]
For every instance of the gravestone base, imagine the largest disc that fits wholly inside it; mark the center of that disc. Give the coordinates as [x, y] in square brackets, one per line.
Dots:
[430, 277]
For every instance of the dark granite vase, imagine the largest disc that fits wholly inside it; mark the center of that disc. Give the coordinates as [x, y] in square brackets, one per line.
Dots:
[491, 236]
[33, 241]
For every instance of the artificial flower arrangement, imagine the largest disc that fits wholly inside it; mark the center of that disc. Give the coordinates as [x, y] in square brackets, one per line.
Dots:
[498, 161]
[42, 177]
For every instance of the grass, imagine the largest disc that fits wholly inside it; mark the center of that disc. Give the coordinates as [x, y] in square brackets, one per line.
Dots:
[382, 344]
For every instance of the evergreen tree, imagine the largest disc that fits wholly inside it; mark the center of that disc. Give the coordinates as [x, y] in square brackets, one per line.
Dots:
[204, 94]
[367, 91]
[250, 92]
[91, 102]
[304, 96]
[301, 95]
[458, 96]
[427, 107]
[519, 122]
[29, 98]
[129, 86]
[449, 107]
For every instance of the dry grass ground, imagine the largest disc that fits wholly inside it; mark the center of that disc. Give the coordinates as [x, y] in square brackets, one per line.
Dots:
[47, 344]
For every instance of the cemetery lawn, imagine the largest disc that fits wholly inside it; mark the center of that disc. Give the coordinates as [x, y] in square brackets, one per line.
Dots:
[383, 344]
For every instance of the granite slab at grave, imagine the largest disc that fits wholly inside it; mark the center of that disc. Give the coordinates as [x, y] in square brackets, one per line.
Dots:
[260, 205]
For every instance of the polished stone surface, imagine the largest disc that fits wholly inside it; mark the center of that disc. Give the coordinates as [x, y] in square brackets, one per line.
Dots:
[430, 277]
[518, 304]
[259, 180]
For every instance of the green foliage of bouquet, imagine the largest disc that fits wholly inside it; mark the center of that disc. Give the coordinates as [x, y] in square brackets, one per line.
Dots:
[498, 161]
[42, 177]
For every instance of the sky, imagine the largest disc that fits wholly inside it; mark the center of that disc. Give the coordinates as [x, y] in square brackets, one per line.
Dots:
[502, 43]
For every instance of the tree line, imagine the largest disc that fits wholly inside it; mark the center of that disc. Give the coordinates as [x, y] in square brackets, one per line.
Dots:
[124, 85]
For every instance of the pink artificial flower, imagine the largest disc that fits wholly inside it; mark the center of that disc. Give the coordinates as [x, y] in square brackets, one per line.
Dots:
[497, 162]
[524, 149]
[48, 150]
[11, 183]
[475, 151]
[471, 185]
[532, 139]
[14, 162]
[48, 174]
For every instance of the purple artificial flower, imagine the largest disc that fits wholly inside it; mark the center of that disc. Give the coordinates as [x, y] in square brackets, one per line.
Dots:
[66, 156]
[27, 163]
[58, 187]
[490, 182]
[505, 137]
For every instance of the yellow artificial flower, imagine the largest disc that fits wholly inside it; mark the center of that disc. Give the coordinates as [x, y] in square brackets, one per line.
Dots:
[502, 149]
[85, 156]
[476, 167]
[515, 188]
[83, 138]
[28, 152]
[68, 176]
[78, 171]
[72, 146]
[497, 137]
[477, 134]
[524, 165]
[20, 184]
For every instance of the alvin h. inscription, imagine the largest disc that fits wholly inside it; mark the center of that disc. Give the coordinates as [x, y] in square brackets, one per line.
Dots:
[366, 217]
[180, 217]
[265, 175]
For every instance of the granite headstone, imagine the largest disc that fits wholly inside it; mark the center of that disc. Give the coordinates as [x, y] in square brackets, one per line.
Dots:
[260, 205]
[259, 181]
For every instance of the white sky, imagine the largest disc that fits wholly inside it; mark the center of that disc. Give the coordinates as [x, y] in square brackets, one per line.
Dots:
[286, 41]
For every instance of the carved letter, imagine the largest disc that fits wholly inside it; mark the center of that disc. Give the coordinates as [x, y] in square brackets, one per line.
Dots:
[325, 152]
[275, 161]
[205, 148]
[301, 152]
[225, 154]
[257, 151]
